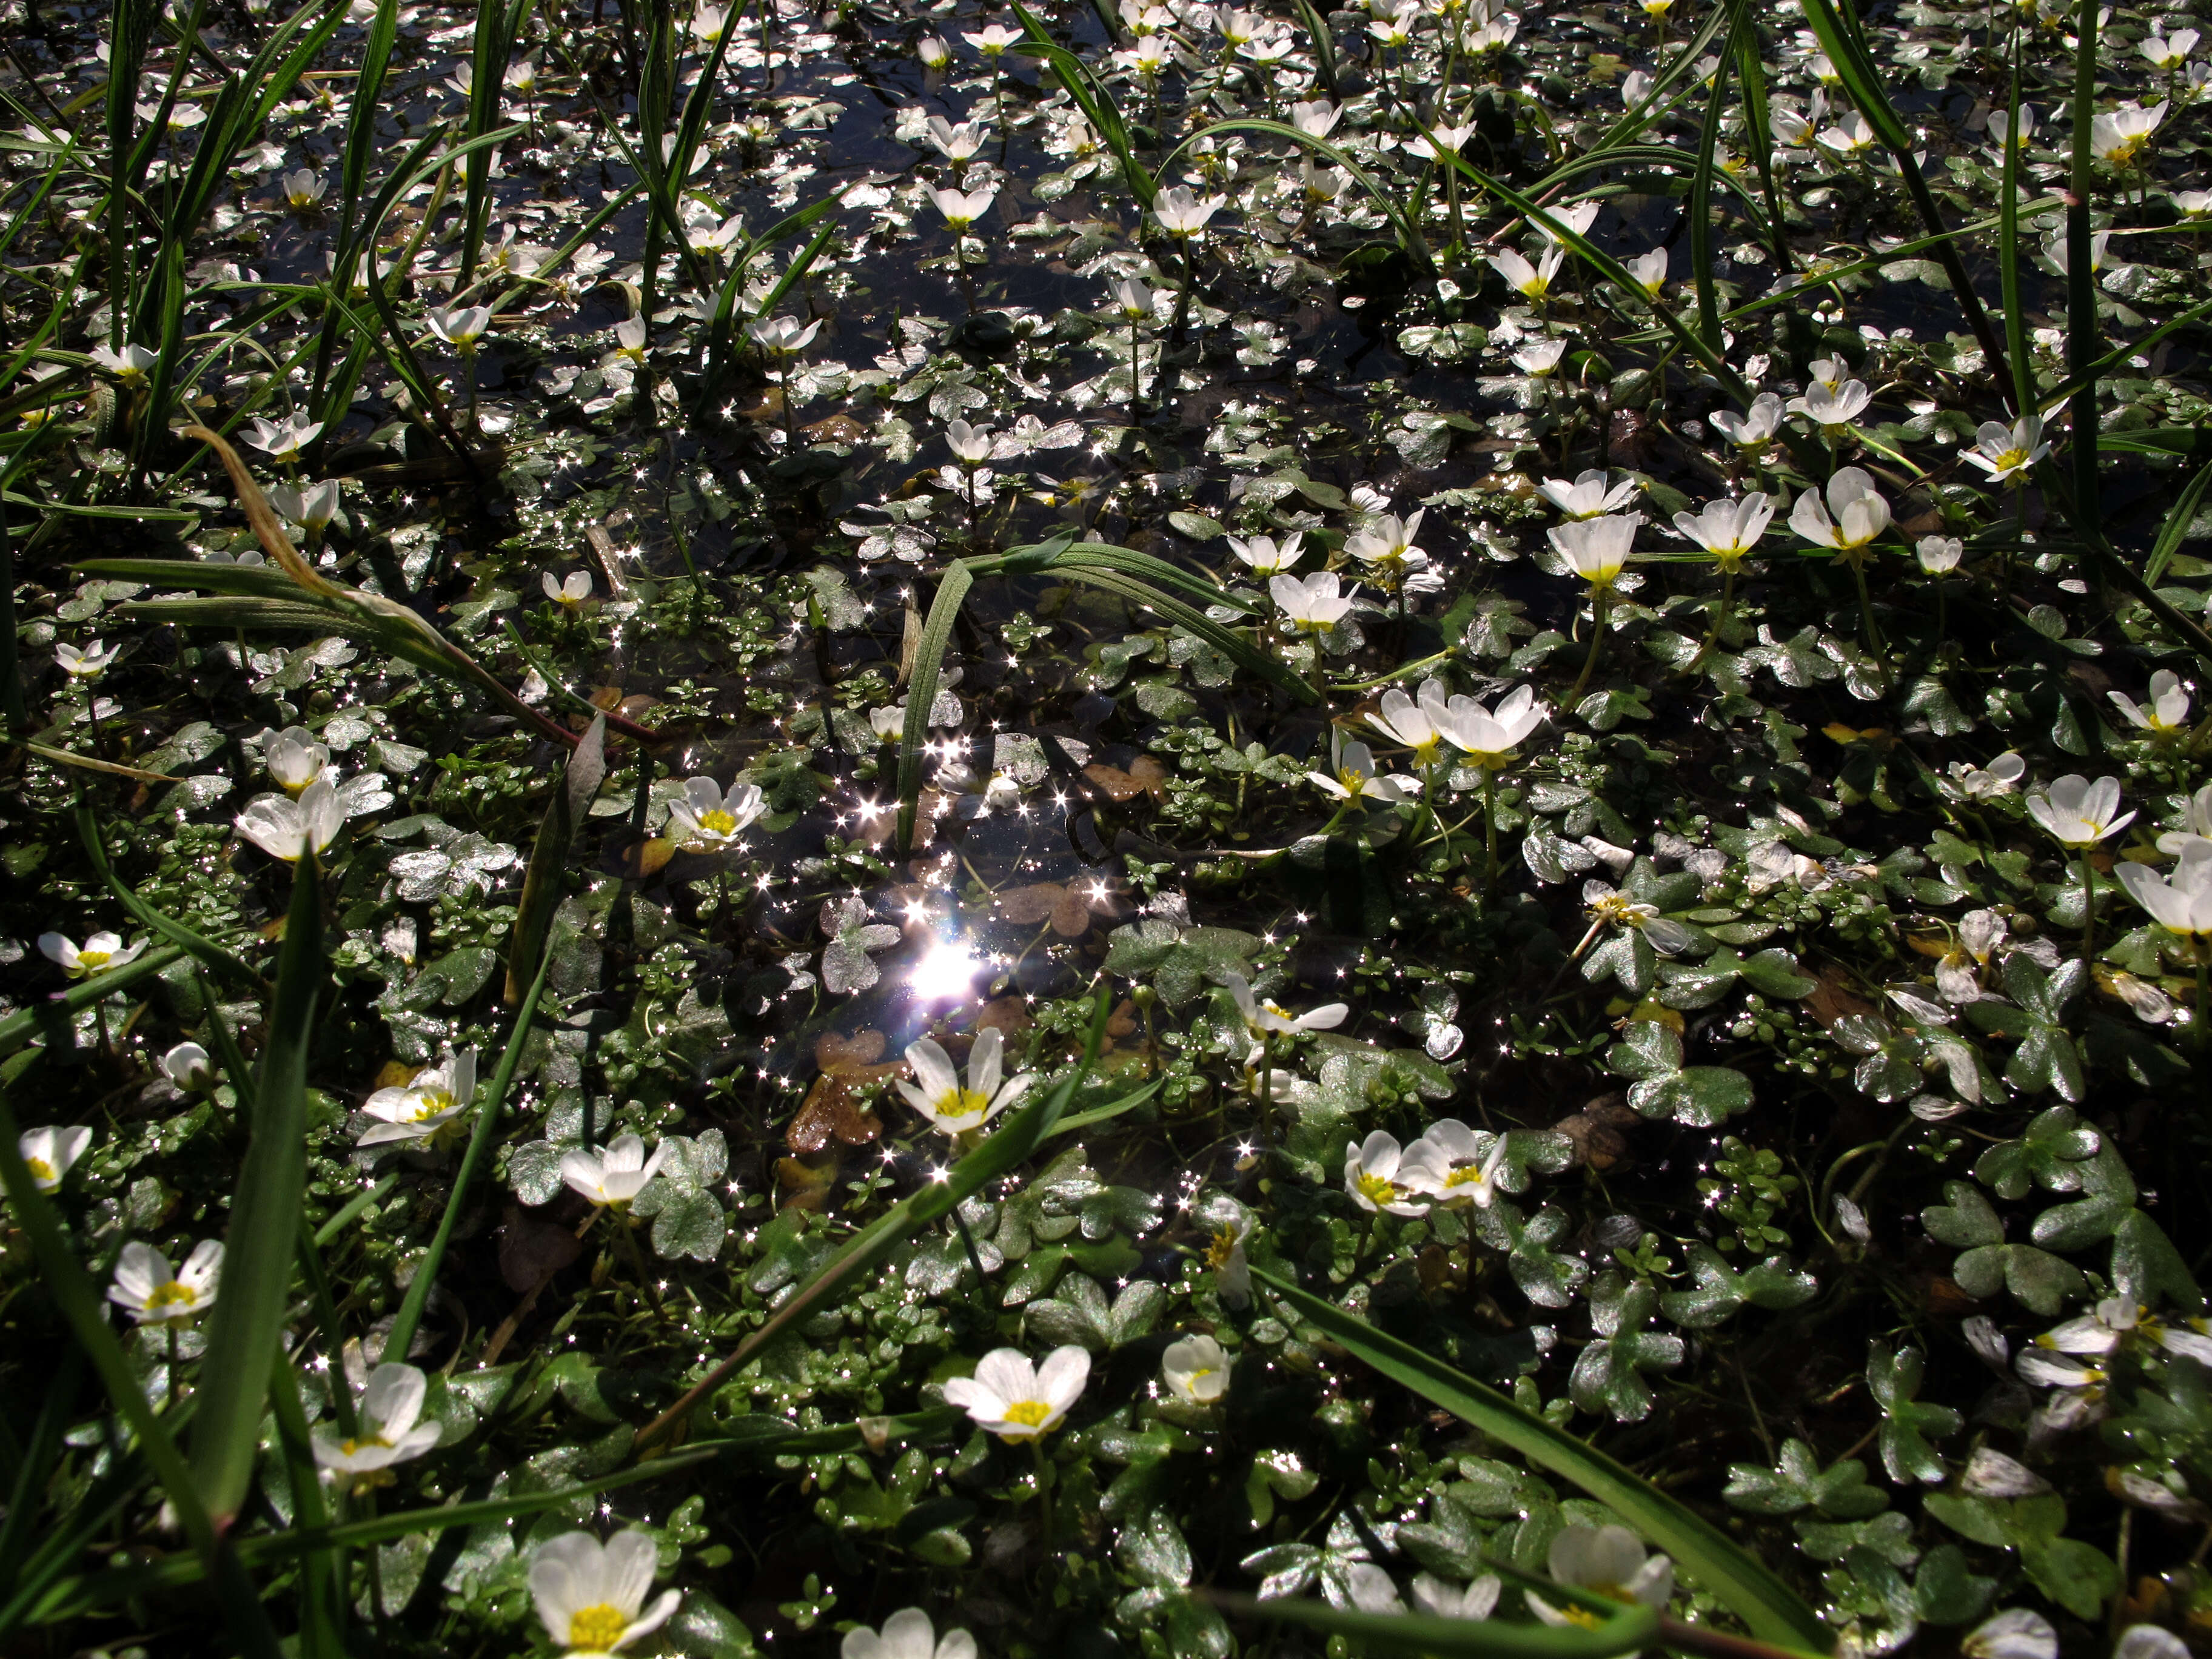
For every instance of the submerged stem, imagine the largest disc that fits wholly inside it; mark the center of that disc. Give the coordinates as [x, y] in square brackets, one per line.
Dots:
[1599, 597]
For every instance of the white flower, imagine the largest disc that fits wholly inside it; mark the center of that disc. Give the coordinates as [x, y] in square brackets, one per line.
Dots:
[1015, 1400]
[1196, 1369]
[1356, 778]
[1372, 1180]
[2079, 813]
[1318, 117]
[391, 1428]
[1225, 1254]
[908, 1634]
[709, 22]
[1577, 218]
[2000, 123]
[2115, 1322]
[993, 40]
[1449, 1163]
[283, 440]
[295, 759]
[1390, 542]
[1265, 555]
[1418, 726]
[2169, 704]
[2190, 205]
[1939, 555]
[1440, 1599]
[1313, 604]
[955, 142]
[933, 51]
[2150, 1641]
[1617, 908]
[1859, 511]
[569, 591]
[1488, 737]
[2118, 138]
[303, 189]
[592, 1597]
[1531, 282]
[290, 830]
[147, 1289]
[1266, 1019]
[616, 1173]
[1832, 405]
[1649, 272]
[87, 664]
[98, 953]
[709, 819]
[630, 338]
[1181, 213]
[426, 1109]
[1539, 357]
[1850, 136]
[49, 1152]
[128, 363]
[2169, 52]
[1730, 530]
[936, 1093]
[460, 327]
[971, 445]
[1608, 1561]
[314, 509]
[1751, 431]
[783, 335]
[1135, 300]
[2005, 452]
[2002, 776]
[962, 209]
[2016, 1633]
[188, 1067]
[1597, 548]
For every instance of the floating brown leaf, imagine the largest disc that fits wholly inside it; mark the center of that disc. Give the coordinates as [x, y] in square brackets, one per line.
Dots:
[1833, 999]
[1008, 1016]
[1069, 906]
[1146, 775]
[532, 1249]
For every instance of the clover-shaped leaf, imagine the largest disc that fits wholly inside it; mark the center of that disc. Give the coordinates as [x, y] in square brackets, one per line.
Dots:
[847, 965]
[1609, 1377]
[1907, 1422]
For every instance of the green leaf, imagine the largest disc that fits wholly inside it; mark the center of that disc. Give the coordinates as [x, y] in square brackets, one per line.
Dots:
[261, 1242]
[2079, 1577]
[543, 881]
[1767, 1606]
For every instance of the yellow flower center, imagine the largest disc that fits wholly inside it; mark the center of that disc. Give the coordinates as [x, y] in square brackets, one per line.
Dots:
[597, 1629]
[1030, 1414]
[715, 821]
[962, 1102]
[41, 1171]
[1582, 1616]
[350, 1447]
[1221, 1249]
[2011, 459]
[1376, 1189]
[2124, 152]
[87, 961]
[428, 1104]
[1465, 1174]
[174, 1294]
[1191, 1381]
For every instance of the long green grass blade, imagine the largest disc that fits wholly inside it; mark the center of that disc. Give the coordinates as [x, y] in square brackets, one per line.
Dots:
[410, 1317]
[2015, 315]
[1771, 1610]
[1399, 211]
[2175, 530]
[921, 691]
[79, 1299]
[1701, 193]
[19, 1027]
[545, 879]
[95, 849]
[247, 1325]
[2081, 269]
[1090, 96]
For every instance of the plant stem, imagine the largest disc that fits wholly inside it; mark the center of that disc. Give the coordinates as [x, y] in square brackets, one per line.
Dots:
[1599, 597]
[619, 1215]
[1490, 829]
[1044, 1494]
[2088, 909]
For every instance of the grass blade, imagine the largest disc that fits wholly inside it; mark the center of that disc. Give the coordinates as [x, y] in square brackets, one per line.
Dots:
[79, 1299]
[543, 881]
[1023, 1132]
[2023, 373]
[95, 849]
[19, 1027]
[2081, 271]
[1701, 194]
[410, 1317]
[1771, 1610]
[2175, 530]
[1091, 97]
[247, 1325]
[1399, 213]
[1847, 51]
[921, 691]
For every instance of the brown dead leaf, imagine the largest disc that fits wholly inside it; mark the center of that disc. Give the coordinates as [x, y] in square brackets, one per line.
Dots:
[831, 1111]
[1068, 906]
[1122, 1022]
[646, 858]
[532, 1249]
[806, 1181]
[1596, 1129]
[835, 1052]
[1008, 1016]
[1833, 999]
[1146, 775]
[838, 429]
